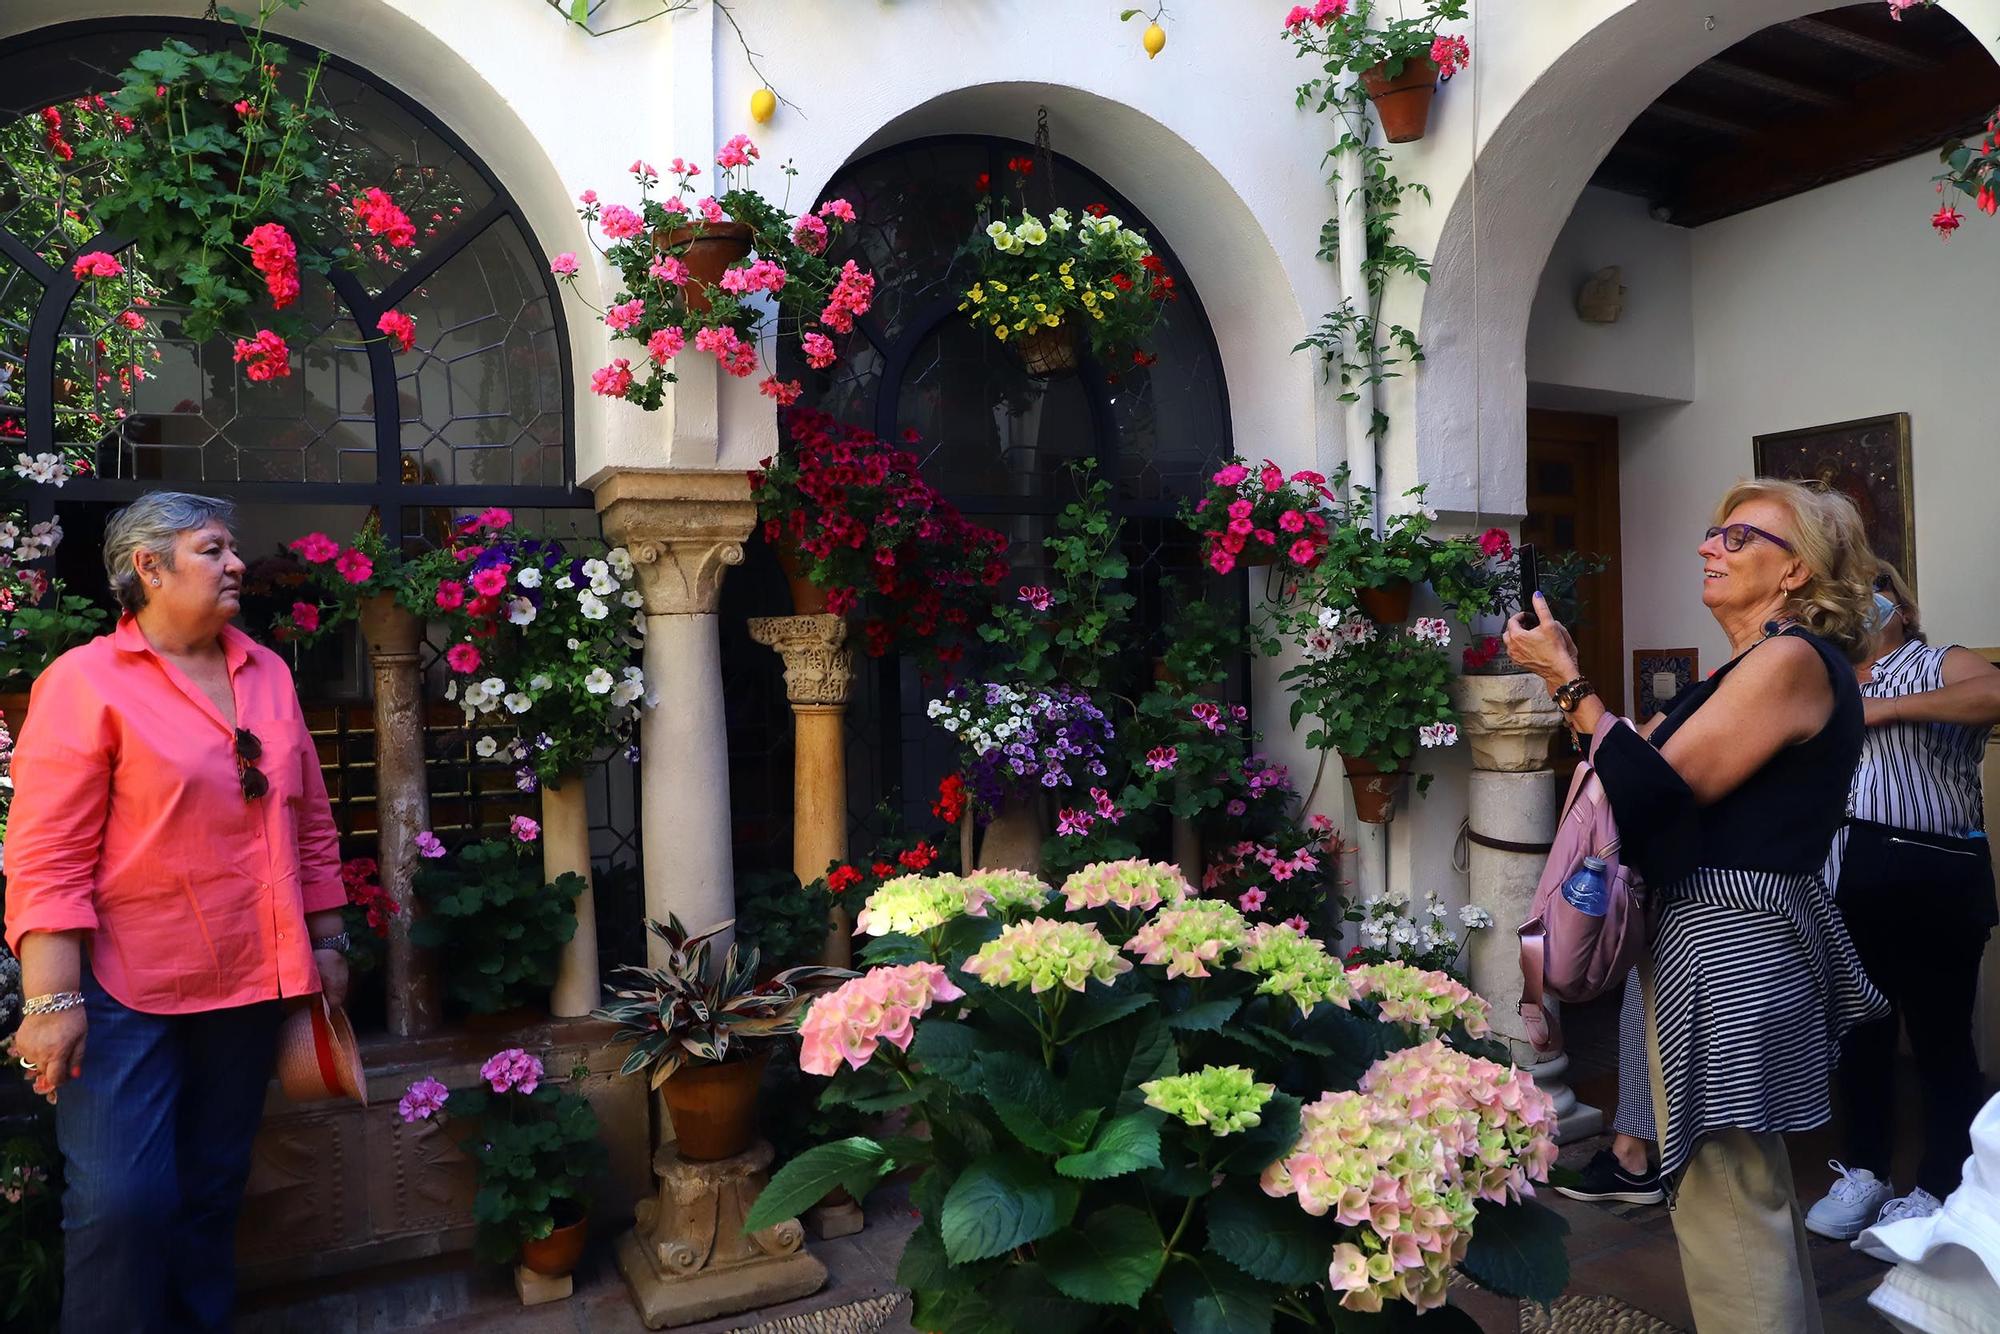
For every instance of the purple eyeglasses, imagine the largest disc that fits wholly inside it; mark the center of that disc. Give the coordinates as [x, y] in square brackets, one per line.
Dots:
[1736, 534]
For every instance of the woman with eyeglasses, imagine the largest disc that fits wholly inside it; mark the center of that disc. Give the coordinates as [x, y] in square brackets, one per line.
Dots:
[1727, 807]
[173, 878]
[1914, 881]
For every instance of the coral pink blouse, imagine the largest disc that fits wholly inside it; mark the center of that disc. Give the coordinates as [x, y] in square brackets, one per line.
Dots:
[129, 822]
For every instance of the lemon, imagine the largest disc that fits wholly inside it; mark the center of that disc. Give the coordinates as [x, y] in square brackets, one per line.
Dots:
[1155, 40]
[764, 102]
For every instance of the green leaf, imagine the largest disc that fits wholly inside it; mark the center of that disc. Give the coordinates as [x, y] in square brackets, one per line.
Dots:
[1112, 1260]
[1204, 1016]
[999, 1203]
[1124, 1145]
[949, 1051]
[1271, 1239]
[1126, 16]
[1203, 1295]
[1107, 1066]
[1517, 1251]
[856, 1163]
[579, 12]
[1024, 1097]
[1257, 1148]
[925, 1267]
[1096, 1008]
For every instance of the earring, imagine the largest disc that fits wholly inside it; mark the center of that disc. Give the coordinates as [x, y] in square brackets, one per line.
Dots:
[156, 581]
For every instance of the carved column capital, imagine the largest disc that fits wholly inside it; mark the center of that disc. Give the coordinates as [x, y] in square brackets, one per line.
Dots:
[683, 530]
[819, 667]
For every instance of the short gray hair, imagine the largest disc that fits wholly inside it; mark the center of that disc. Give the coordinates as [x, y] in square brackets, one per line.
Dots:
[152, 523]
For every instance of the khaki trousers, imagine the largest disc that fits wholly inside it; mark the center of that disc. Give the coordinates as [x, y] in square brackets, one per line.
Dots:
[1737, 1220]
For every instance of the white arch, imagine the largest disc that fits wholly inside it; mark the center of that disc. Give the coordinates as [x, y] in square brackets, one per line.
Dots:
[1599, 73]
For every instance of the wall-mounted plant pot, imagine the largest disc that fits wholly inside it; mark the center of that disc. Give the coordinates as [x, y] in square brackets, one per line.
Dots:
[708, 253]
[1387, 605]
[1047, 352]
[1403, 104]
[1375, 789]
[714, 1107]
[808, 598]
[558, 1253]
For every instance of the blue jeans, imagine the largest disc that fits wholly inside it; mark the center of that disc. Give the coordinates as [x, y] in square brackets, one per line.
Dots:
[156, 1142]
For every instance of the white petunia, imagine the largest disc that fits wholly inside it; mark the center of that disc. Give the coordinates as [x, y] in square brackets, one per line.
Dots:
[598, 682]
[594, 607]
[621, 561]
[451, 690]
[565, 583]
[595, 569]
[538, 683]
[487, 748]
[517, 702]
[632, 598]
[520, 611]
[530, 576]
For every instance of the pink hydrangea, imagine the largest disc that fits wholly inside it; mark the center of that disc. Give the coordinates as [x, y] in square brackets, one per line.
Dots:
[1189, 938]
[315, 548]
[620, 223]
[819, 350]
[355, 566]
[563, 265]
[666, 344]
[512, 1070]
[612, 381]
[883, 1003]
[1127, 885]
[1420, 999]
[422, 1100]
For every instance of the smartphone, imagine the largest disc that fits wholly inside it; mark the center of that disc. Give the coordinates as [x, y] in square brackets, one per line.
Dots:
[1531, 584]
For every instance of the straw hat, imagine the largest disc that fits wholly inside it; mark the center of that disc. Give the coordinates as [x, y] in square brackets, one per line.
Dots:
[318, 1057]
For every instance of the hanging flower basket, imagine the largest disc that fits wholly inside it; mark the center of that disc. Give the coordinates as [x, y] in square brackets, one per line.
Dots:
[1048, 352]
[708, 253]
[1403, 103]
[1387, 605]
[1375, 789]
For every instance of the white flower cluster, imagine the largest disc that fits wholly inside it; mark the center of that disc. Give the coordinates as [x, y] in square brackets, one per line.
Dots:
[42, 468]
[1030, 232]
[1426, 941]
[1003, 718]
[1336, 632]
[1432, 630]
[1438, 734]
[18, 548]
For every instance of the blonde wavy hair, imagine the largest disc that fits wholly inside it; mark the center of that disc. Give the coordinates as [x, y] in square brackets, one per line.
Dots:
[1889, 579]
[1836, 602]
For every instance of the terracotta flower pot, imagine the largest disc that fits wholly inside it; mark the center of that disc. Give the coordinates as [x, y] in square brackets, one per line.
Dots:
[557, 1254]
[1389, 604]
[714, 1107]
[1404, 102]
[707, 254]
[1375, 789]
[808, 598]
[1047, 352]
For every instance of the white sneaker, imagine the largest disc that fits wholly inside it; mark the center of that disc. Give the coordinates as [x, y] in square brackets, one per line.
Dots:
[1850, 1206]
[1919, 1203]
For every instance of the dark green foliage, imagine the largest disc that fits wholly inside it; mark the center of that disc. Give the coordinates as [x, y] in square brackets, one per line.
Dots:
[498, 927]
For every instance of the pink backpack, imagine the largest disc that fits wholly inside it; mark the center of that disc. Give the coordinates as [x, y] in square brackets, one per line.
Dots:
[1570, 954]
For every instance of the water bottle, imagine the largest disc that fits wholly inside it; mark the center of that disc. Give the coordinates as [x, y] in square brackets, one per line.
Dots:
[1587, 891]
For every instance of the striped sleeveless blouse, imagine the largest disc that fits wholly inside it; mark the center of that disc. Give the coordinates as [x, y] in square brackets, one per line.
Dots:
[1919, 776]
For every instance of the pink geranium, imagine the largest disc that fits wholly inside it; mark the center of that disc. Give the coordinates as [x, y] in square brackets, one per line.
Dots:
[786, 392]
[852, 295]
[612, 381]
[666, 344]
[264, 357]
[423, 1100]
[738, 152]
[819, 350]
[563, 265]
[428, 844]
[623, 316]
[524, 829]
[274, 255]
[355, 566]
[810, 234]
[667, 269]
[96, 264]
[377, 212]
[400, 327]
[837, 208]
[760, 276]
[620, 223]
[1037, 597]
[315, 548]
[512, 1070]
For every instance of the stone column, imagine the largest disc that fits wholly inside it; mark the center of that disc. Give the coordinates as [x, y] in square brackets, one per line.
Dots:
[819, 678]
[1512, 807]
[683, 530]
[566, 851]
[402, 803]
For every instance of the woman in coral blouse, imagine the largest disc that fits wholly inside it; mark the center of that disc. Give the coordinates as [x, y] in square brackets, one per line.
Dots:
[172, 879]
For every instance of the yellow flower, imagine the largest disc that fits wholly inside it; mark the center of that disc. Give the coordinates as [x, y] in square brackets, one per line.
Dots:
[1066, 265]
[1109, 294]
[999, 287]
[1069, 283]
[1053, 321]
[1040, 306]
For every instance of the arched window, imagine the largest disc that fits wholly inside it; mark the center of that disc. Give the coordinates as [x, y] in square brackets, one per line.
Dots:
[476, 414]
[994, 438]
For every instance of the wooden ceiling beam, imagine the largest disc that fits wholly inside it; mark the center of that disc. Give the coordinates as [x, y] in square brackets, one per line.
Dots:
[1696, 118]
[1890, 118]
[1777, 85]
[1860, 44]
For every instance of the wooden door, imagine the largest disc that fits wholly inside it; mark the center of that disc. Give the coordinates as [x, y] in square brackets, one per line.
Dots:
[1573, 506]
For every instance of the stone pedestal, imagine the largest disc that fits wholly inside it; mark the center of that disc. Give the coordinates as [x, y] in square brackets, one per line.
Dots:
[819, 678]
[828, 1221]
[1521, 809]
[402, 804]
[687, 1258]
[1014, 836]
[566, 851]
[539, 1289]
[683, 530]
[1508, 720]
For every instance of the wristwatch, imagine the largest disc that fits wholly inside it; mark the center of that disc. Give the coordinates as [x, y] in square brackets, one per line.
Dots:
[341, 941]
[1572, 693]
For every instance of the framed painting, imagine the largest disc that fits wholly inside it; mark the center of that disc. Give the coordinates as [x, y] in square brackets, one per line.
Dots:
[1660, 676]
[1868, 461]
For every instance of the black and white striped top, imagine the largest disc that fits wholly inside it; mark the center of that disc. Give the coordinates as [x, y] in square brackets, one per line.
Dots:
[1918, 776]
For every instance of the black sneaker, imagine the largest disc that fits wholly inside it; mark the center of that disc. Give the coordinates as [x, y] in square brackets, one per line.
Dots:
[1605, 1180]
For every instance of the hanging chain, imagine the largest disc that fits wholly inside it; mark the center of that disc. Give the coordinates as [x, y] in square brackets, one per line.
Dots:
[1045, 159]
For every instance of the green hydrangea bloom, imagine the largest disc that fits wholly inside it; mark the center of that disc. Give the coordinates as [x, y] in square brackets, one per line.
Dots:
[1223, 1098]
[1042, 953]
[910, 905]
[1190, 937]
[1288, 963]
[1011, 891]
